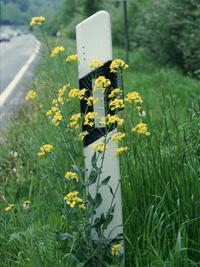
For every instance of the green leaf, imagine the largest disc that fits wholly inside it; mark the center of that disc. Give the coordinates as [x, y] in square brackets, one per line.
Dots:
[111, 191]
[105, 181]
[93, 177]
[98, 200]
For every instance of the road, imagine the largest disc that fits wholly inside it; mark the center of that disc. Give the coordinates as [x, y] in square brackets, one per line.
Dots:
[17, 60]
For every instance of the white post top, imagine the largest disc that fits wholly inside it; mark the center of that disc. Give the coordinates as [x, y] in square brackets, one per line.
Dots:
[94, 41]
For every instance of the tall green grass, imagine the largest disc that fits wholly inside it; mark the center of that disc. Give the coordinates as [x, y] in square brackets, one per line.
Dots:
[160, 173]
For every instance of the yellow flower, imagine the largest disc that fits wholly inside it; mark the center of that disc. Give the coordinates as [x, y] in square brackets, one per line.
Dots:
[115, 92]
[83, 134]
[89, 118]
[95, 64]
[101, 83]
[9, 207]
[82, 206]
[118, 136]
[91, 100]
[116, 103]
[134, 97]
[71, 176]
[31, 95]
[74, 93]
[26, 204]
[47, 148]
[121, 150]
[100, 147]
[116, 64]
[37, 21]
[72, 57]
[74, 120]
[57, 118]
[72, 199]
[81, 93]
[111, 119]
[115, 249]
[57, 50]
[141, 128]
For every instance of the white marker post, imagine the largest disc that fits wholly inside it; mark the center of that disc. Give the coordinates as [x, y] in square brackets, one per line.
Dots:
[94, 41]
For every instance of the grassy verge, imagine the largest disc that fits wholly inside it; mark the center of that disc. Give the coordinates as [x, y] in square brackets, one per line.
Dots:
[160, 173]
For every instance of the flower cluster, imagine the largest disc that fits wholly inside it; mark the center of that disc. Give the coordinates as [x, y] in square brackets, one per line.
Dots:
[134, 97]
[115, 93]
[71, 176]
[95, 64]
[99, 147]
[141, 128]
[74, 120]
[111, 119]
[37, 21]
[116, 104]
[44, 149]
[118, 136]
[72, 57]
[72, 200]
[117, 64]
[31, 95]
[57, 50]
[89, 118]
[55, 112]
[80, 93]
[101, 83]
[121, 150]
[115, 249]
[83, 134]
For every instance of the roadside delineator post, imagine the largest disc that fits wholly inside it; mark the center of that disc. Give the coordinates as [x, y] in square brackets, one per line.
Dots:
[94, 41]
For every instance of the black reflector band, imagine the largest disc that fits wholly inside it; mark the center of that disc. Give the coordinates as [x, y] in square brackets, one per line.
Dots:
[87, 82]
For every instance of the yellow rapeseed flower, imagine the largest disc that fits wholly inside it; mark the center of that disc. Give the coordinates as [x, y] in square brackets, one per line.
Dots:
[72, 57]
[81, 93]
[115, 92]
[89, 118]
[31, 95]
[116, 103]
[100, 147]
[9, 207]
[71, 176]
[44, 149]
[101, 83]
[116, 64]
[72, 199]
[115, 249]
[37, 21]
[141, 128]
[74, 120]
[91, 100]
[95, 64]
[134, 97]
[118, 136]
[74, 93]
[111, 119]
[57, 50]
[57, 118]
[121, 150]
[83, 134]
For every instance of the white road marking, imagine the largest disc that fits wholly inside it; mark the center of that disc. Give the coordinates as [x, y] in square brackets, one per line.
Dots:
[9, 89]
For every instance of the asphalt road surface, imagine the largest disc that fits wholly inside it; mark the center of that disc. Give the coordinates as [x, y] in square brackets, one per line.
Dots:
[17, 61]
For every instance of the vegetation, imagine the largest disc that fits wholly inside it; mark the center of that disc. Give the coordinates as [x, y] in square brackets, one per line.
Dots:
[19, 12]
[160, 173]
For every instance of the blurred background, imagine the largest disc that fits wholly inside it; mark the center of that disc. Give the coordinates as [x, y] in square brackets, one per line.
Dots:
[168, 29]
